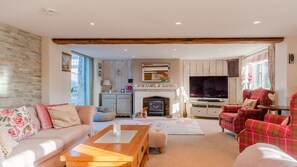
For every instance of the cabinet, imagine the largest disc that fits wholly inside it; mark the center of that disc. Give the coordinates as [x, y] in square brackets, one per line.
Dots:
[206, 109]
[120, 102]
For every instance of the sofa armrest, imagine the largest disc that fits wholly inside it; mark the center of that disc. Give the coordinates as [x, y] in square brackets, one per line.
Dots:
[231, 108]
[249, 112]
[273, 118]
[86, 114]
[268, 129]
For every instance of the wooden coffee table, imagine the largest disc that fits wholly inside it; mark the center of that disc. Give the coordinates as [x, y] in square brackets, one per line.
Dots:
[93, 154]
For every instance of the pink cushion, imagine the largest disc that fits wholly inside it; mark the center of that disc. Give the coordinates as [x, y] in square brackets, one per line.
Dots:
[43, 115]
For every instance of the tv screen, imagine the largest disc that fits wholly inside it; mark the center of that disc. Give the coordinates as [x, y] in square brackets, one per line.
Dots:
[209, 86]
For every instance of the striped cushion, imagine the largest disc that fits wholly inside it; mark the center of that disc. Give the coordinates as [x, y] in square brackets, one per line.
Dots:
[64, 116]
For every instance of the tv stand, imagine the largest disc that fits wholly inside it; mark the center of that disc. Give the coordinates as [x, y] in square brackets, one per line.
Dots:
[207, 107]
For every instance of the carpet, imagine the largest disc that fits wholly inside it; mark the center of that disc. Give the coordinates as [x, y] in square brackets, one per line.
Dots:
[182, 126]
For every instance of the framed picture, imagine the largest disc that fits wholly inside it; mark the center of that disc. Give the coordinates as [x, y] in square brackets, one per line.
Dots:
[66, 62]
[99, 73]
[99, 66]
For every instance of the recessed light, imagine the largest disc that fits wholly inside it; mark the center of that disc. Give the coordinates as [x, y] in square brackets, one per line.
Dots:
[220, 50]
[257, 22]
[133, 56]
[174, 56]
[125, 50]
[177, 23]
[92, 24]
[174, 49]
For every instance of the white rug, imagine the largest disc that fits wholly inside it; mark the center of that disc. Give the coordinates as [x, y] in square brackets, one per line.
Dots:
[182, 126]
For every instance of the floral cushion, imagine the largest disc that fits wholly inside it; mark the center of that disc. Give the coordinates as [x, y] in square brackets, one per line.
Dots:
[19, 123]
[249, 104]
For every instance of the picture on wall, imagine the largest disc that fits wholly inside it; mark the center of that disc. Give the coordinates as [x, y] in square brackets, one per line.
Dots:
[66, 62]
[99, 66]
[99, 73]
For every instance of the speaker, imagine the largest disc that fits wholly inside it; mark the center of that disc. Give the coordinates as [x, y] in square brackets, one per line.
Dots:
[233, 68]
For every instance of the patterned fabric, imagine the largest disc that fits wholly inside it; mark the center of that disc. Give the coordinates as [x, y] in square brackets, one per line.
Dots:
[19, 123]
[249, 103]
[6, 142]
[64, 116]
[241, 115]
[284, 137]
[273, 118]
[43, 115]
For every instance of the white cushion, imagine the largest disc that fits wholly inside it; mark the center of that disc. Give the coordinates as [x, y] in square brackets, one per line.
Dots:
[6, 142]
[64, 116]
[264, 155]
[285, 121]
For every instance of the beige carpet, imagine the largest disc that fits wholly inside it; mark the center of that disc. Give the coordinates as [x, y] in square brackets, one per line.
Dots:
[214, 149]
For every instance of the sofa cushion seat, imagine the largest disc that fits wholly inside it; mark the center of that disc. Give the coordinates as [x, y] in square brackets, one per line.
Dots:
[228, 116]
[31, 152]
[69, 135]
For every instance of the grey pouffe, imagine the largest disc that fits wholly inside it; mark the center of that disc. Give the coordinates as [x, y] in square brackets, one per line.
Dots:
[104, 114]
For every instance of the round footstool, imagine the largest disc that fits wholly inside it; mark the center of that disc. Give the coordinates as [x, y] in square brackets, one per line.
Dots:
[158, 138]
[104, 114]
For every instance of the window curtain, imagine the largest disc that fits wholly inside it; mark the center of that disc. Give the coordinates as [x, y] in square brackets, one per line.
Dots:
[271, 66]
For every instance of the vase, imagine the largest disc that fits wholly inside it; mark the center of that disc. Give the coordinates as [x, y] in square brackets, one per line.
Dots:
[185, 114]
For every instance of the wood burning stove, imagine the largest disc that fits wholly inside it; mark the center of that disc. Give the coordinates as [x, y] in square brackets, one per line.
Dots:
[156, 107]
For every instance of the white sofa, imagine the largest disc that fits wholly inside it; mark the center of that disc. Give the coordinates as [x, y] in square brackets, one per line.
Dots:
[45, 148]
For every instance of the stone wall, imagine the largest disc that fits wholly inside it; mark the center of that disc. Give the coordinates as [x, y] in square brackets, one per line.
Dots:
[20, 67]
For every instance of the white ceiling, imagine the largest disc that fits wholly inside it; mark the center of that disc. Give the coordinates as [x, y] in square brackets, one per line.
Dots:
[170, 51]
[153, 19]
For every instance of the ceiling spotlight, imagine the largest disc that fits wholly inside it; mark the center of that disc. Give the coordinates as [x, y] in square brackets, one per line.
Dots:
[174, 49]
[50, 11]
[92, 24]
[220, 50]
[177, 23]
[257, 22]
[125, 50]
[133, 56]
[174, 56]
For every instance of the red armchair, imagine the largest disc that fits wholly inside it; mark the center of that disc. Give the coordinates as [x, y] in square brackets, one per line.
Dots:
[272, 132]
[233, 117]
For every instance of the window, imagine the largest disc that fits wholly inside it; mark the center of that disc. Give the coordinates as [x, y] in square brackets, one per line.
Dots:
[81, 79]
[255, 73]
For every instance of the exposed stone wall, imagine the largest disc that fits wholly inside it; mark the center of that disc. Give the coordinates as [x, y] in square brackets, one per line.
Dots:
[20, 67]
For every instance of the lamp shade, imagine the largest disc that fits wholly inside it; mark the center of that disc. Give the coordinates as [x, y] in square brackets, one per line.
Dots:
[106, 83]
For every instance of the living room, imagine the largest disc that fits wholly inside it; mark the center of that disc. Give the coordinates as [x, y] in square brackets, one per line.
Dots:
[34, 40]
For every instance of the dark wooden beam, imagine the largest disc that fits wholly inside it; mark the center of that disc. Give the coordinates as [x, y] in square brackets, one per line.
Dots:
[64, 41]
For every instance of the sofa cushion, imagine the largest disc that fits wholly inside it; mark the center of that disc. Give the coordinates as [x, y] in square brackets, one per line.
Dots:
[6, 142]
[264, 155]
[31, 152]
[249, 104]
[33, 115]
[19, 123]
[228, 116]
[44, 116]
[64, 116]
[70, 135]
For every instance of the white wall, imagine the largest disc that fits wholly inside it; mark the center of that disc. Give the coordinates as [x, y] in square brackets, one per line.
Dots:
[285, 73]
[56, 84]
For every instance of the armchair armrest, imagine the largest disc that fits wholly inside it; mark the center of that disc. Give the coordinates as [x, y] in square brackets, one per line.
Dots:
[86, 114]
[265, 128]
[272, 118]
[249, 112]
[231, 108]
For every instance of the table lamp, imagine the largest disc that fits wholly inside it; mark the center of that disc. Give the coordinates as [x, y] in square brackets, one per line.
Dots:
[107, 83]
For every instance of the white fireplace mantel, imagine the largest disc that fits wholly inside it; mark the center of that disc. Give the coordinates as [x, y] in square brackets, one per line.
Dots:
[167, 92]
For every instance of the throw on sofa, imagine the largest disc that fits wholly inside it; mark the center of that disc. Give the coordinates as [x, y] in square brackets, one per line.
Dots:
[44, 148]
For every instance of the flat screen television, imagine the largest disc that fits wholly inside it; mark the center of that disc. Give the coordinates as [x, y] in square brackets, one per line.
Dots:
[209, 86]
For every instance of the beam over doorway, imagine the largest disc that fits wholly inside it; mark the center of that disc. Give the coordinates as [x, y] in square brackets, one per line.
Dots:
[64, 41]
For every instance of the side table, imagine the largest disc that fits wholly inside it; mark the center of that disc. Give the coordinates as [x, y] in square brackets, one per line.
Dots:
[279, 109]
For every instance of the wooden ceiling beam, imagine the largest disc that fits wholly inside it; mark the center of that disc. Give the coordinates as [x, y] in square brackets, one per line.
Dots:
[64, 41]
